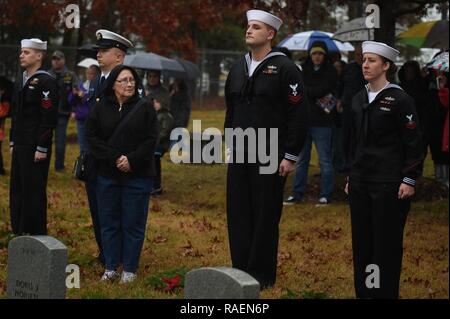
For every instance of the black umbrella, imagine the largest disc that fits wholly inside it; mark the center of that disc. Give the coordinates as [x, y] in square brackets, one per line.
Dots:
[177, 68]
[88, 51]
[191, 69]
[152, 61]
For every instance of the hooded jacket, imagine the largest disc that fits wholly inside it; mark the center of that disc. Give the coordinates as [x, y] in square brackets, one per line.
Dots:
[319, 83]
[161, 94]
[386, 142]
[165, 121]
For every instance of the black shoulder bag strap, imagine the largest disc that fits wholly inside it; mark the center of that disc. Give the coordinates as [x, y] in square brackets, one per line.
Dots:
[127, 117]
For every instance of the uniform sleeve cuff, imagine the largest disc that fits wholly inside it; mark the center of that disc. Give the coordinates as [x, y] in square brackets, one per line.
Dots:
[409, 181]
[291, 157]
[42, 149]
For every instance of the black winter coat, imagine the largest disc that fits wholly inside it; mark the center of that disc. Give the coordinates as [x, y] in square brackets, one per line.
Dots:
[136, 141]
[319, 83]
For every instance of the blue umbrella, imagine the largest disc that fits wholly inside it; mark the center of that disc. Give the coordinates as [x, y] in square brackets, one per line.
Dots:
[303, 41]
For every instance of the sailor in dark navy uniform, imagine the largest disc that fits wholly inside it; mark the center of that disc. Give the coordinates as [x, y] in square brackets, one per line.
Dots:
[386, 157]
[34, 115]
[264, 90]
[112, 48]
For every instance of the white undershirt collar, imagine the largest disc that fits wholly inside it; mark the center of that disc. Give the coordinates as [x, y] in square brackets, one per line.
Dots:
[372, 95]
[253, 65]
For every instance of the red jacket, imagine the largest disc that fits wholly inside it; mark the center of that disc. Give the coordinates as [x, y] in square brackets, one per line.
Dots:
[443, 96]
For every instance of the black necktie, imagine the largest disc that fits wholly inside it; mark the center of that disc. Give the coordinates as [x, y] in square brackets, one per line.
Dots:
[102, 79]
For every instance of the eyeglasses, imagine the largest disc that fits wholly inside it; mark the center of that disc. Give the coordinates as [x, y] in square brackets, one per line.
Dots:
[125, 82]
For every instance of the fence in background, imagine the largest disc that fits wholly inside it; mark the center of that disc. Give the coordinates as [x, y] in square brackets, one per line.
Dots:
[207, 91]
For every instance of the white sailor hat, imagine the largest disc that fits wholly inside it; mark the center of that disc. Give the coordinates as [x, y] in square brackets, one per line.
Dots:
[107, 39]
[265, 17]
[34, 43]
[381, 49]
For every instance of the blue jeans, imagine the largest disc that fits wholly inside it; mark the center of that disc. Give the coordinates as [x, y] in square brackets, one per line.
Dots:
[322, 137]
[123, 211]
[81, 127]
[60, 141]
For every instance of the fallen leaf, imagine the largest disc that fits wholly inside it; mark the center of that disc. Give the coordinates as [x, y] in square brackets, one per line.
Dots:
[283, 257]
[159, 239]
[156, 207]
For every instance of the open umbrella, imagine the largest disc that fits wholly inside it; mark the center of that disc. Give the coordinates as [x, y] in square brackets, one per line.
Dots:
[87, 63]
[439, 63]
[302, 41]
[357, 30]
[88, 51]
[191, 69]
[152, 61]
[431, 34]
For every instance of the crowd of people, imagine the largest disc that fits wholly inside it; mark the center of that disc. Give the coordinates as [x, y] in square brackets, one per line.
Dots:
[127, 164]
[362, 124]
[327, 76]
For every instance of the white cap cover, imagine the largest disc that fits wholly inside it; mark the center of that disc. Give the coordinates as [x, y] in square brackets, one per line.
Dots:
[34, 43]
[265, 17]
[108, 39]
[380, 49]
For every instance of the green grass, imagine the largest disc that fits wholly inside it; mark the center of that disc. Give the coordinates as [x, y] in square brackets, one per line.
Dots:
[187, 229]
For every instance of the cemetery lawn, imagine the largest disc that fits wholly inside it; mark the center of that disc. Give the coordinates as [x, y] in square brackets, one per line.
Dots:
[187, 229]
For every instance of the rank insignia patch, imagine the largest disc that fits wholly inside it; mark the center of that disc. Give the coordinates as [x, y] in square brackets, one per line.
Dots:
[411, 124]
[46, 101]
[294, 97]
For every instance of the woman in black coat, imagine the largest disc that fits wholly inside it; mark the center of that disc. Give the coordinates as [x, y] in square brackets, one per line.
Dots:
[386, 157]
[126, 169]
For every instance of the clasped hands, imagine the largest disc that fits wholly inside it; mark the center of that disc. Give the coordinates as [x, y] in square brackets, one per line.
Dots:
[123, 165]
